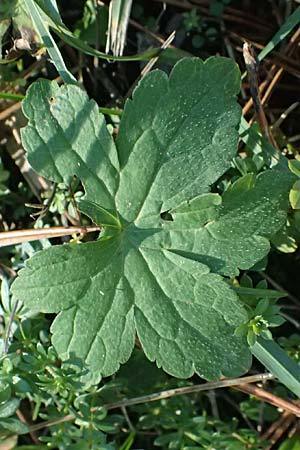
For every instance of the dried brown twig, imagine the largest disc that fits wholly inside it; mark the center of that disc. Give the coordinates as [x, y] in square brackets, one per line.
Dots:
[266, 87]
[16, 237]
[278, 429]
[252, 69]
[270, 398]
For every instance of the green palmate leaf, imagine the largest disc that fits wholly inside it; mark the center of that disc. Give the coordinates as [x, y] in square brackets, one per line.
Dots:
[157, 267]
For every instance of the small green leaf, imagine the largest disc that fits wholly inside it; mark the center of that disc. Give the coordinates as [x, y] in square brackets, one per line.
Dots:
[275, 320]
[9, 407]
[266, 334]
[284, 240]
[216, 8]
[14, 425]
[241, 330]
[257, 143]
[292, 443]
[295, 195]
[261, 307]
[251, 337]
[294, 165]
[93, 25]
[5, 392]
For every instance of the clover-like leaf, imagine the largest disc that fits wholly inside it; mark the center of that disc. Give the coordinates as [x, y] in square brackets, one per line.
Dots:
[157, 267]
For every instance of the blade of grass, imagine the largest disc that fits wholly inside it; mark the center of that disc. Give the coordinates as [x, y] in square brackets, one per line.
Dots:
[278, 363]
[127, 444]
[50, 8]
[73, 41]
[119, 14]
[46, 7]
[111, 111]
[260, 293]
[49, 42]
[292, 21]
[7, 61]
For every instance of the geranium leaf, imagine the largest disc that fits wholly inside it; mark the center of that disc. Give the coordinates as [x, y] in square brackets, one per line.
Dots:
[232, 235]
[67, 136]
[157, 267]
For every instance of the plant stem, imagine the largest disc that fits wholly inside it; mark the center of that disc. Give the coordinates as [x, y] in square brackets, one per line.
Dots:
[191, 389]
[11, 96]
